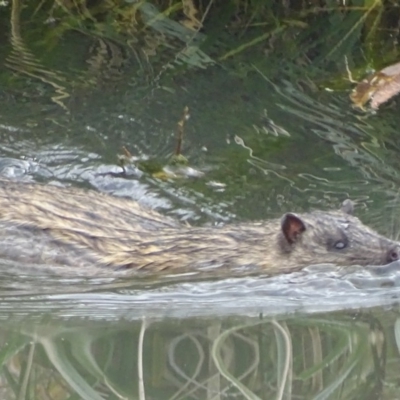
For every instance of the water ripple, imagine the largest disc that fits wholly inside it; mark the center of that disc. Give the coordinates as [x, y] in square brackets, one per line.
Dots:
[320, 288]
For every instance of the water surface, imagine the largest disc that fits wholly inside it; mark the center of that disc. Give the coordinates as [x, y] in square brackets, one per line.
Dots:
[274, 141]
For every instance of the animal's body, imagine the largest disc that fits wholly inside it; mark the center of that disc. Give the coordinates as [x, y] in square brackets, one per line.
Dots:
[44, 224]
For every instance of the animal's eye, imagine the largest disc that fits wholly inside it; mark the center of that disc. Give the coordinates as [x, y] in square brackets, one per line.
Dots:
[340, 245]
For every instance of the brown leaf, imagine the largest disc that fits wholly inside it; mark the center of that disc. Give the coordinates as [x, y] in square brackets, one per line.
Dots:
[378, 88]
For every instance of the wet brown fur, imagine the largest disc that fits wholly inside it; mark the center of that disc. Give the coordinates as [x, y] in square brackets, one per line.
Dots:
[43, 224]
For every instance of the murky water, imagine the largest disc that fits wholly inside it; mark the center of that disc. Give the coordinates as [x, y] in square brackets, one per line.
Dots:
[257, 148]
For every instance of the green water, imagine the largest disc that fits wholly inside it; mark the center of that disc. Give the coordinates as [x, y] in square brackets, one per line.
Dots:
[267, 134]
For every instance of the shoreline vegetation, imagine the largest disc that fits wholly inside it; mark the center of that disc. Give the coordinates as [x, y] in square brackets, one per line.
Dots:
[116, 42]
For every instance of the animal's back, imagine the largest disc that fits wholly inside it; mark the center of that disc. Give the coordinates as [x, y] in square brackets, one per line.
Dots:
[42, 224]
[47, 206]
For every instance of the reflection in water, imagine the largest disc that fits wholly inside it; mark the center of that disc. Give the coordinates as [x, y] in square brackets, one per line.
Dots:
[22, 60]
[355, 142]
[331, 356]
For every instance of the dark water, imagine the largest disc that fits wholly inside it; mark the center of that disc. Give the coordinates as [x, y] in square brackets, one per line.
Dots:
[257, 147]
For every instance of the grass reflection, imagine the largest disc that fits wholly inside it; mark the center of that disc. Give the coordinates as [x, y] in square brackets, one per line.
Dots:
[337, 356]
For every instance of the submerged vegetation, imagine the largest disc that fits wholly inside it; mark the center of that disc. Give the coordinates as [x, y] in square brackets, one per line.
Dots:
[145, 43]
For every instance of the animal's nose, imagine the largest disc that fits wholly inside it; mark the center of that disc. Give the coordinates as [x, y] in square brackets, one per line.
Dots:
[393, 254]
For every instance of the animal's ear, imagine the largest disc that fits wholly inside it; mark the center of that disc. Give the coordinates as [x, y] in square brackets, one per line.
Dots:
[347, 207]
[292, 227]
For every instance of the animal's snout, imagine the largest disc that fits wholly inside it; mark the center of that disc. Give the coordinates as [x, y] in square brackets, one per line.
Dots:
[393, 254]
